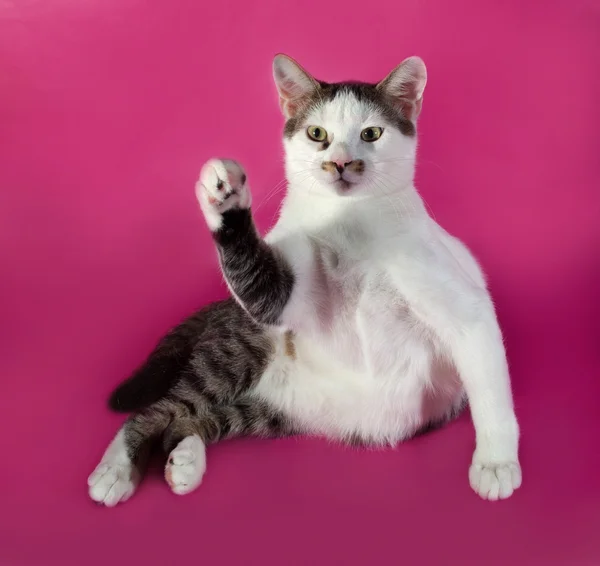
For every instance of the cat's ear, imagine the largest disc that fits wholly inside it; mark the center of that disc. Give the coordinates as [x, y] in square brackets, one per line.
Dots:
[405, 86]
[294, 84]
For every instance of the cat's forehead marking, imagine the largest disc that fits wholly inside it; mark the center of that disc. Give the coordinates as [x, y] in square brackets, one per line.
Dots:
[362, 94]
[343, 109]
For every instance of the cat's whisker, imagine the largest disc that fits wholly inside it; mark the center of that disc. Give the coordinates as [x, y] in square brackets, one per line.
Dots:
[422, 197]
[279, 186]
[392, 204]
[408, 159]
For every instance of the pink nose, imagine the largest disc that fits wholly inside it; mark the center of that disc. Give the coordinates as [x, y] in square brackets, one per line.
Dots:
[341, 164]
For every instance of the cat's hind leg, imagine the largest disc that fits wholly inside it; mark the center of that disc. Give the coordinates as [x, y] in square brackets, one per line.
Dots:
[186, 438]
[120, 470]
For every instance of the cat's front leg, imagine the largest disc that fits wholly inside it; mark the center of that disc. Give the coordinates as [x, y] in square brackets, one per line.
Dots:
[461, 313]
[478, 352]
[258, 275]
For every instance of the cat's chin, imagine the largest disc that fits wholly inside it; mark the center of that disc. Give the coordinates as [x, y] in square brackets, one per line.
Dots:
[343, 187]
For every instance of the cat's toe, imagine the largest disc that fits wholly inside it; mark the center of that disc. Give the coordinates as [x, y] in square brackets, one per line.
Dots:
[495, 481]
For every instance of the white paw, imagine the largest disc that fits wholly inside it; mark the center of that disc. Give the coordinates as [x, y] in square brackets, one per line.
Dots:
[186, 465]
[221, 187]
[495, 481]
[112, 482]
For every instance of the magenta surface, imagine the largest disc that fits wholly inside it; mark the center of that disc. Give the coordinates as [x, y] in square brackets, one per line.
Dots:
[107, 111]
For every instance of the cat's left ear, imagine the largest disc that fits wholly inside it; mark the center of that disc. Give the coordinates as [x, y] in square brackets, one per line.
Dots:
[294, 84]
[405, 86]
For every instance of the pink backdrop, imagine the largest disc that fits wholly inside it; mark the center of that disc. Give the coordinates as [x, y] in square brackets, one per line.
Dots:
[109, 108]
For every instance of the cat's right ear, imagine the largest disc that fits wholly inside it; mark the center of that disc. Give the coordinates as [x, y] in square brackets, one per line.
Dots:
[294, 84]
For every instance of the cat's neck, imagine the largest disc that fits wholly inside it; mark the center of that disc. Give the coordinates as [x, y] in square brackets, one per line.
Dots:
[313, 212]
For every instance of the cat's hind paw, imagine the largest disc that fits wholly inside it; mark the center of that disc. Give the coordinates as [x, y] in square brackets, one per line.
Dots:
[221, 187]
[113, 482]
[186, 465]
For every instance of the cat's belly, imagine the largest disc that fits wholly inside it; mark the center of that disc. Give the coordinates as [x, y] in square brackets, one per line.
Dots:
[364, 367]
[326, 395]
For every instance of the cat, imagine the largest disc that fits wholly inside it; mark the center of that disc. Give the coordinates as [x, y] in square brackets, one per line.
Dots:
[357, 318]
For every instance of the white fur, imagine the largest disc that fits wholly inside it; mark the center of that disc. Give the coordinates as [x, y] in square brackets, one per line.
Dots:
[186, 465]
[391, 315]
[115, 478]
[215, 198]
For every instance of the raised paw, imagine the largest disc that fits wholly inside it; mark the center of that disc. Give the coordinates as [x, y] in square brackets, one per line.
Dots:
[495, 481]
[221, 187]
[111, 483]
[186, 465]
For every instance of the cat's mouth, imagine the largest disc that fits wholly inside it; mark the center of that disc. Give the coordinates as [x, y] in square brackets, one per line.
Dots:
[342, 184]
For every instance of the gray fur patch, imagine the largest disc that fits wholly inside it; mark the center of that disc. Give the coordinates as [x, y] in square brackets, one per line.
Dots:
[366, 93]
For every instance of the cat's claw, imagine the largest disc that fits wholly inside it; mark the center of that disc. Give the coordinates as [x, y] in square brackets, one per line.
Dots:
[221, 187]
[495, 481]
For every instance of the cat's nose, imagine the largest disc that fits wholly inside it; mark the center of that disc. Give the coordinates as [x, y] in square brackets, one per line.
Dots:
[341, 164]
[336, 165]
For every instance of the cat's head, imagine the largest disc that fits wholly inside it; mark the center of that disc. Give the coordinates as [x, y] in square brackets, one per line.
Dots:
[350, 138]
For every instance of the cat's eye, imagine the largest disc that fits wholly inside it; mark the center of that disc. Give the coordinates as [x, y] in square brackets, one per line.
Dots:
[316, 133]
[371, 134]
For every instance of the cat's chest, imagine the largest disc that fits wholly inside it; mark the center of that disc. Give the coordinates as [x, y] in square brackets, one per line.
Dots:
[341, 281]
[347, 279]
[363, 316]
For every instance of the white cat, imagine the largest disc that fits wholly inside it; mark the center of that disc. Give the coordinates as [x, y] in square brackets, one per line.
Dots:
[379, 322]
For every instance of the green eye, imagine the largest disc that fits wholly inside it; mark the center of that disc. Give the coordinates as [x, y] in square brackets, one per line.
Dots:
[316, 133]
[371, 134]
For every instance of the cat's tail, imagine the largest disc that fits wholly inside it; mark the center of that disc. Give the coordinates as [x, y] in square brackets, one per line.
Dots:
[154, 379]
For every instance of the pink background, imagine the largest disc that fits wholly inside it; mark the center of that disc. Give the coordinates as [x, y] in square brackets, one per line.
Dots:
[108, 108]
